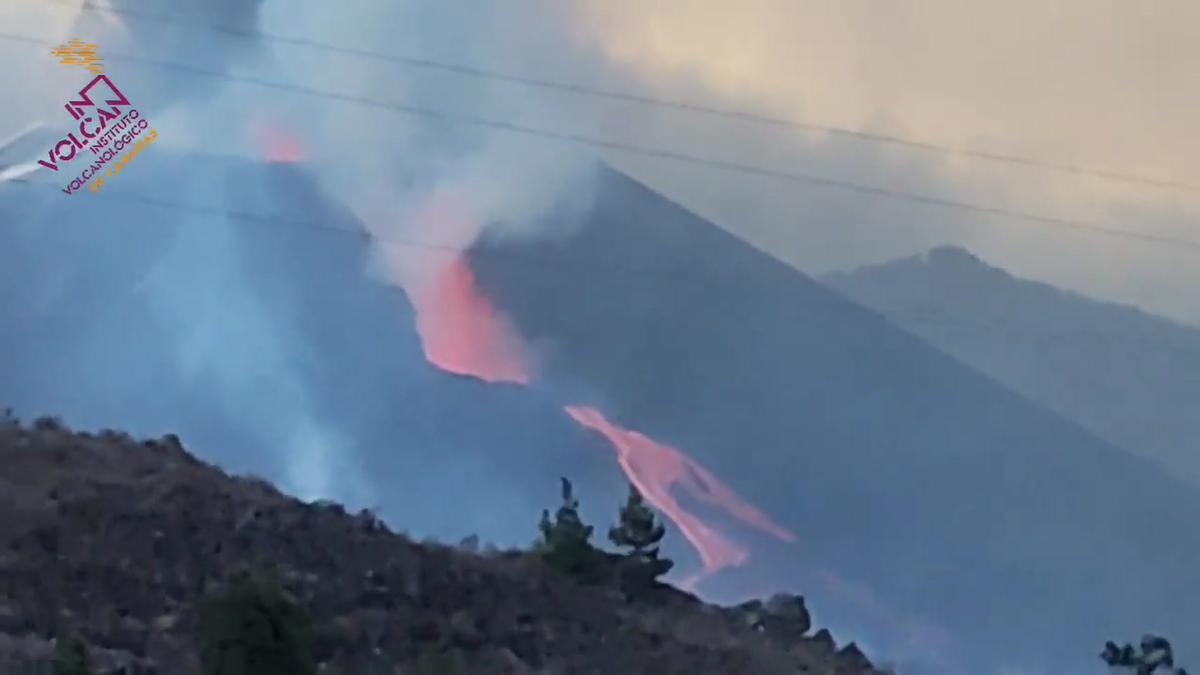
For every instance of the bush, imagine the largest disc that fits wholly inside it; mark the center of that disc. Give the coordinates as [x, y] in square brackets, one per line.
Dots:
[566, 542]
[252, 628]
[1154, 655]
[639, 531]
[438, 661]
[71, 657]
[48, 423]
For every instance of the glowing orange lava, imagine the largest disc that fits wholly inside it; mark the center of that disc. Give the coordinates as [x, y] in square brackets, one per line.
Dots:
[462, 333]
[277, 144]
[656, 468]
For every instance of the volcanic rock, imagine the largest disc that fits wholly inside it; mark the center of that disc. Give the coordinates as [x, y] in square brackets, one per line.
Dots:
[116, 540]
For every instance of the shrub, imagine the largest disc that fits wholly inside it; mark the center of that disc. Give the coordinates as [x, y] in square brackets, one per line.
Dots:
[71, 657]
[1154, 655]
[566, 542]
[639, 531]
[252, 628]
[48, 423]
[435, 660]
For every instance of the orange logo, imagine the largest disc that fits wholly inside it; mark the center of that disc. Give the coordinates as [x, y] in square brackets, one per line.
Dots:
[79, 53]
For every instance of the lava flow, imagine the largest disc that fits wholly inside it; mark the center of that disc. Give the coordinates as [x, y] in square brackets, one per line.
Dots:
[462, 332]
[655, 468]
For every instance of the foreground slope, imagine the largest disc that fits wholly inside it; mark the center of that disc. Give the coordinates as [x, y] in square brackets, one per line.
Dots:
[948, 504]
[1129, 377]
[117, 539]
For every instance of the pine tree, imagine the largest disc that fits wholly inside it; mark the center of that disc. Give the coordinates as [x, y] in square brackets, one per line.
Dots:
[566, 541]
[71, 657]
[640, 531]
[252, 628]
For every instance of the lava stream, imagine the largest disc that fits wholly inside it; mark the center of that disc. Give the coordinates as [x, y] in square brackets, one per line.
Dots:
[462, 333]
[655, 468]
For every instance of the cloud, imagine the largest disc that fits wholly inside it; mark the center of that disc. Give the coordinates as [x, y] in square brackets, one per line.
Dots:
[1095, 83]
[1109, 85]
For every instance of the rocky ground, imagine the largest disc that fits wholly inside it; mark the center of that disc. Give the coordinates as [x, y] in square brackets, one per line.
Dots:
[116, 539]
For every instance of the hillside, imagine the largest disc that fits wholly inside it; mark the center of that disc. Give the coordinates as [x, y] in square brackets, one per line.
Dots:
[934, 503]
[1128, 377]
[117, 539]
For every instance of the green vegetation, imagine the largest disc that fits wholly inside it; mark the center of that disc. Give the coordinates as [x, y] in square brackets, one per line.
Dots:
[639, 531]
[566, 541]
[71, 657]
[439, 661]
[566, 545]
[252, 628]
[1154, 655]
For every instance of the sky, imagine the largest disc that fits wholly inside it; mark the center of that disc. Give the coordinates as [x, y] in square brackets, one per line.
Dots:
[1107, 85]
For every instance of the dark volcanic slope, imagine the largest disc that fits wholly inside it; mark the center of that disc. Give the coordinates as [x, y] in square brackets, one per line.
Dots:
[263, 343]
[946, 493]
[1127, 376]
[116, 540]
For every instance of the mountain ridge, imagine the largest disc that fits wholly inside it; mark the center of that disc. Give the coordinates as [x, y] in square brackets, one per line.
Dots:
[1126, 375]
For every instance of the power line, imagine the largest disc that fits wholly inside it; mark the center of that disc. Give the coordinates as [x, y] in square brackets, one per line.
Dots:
[632, 149]
[627, 271]
[647, 100]
[835, 303]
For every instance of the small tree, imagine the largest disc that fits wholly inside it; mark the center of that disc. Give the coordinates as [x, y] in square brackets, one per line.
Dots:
[639, 531]
[1154, 657]
[565, 542]
[252, 628]
[71, 657]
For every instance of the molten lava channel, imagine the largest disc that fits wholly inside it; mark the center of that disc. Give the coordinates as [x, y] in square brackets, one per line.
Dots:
[462, 332]
[655, 469]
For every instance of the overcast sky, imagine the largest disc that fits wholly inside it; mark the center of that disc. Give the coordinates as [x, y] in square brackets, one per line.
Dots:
[1110, 85]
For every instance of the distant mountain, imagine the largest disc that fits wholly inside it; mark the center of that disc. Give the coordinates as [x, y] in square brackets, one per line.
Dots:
[939, 499]
[1128, 377]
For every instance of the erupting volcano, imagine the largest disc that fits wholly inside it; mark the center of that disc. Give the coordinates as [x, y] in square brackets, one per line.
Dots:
[462, 332]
